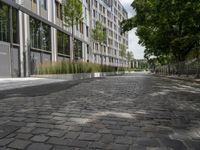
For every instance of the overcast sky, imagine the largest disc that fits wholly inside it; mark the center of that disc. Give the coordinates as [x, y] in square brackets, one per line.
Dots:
[133, 39]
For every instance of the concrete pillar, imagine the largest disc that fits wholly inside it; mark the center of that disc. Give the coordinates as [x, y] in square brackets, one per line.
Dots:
[50, 8]
[54, 44]
[84, 54]
[51, 17]
[21, 42]
[27, 44]
[38, 7]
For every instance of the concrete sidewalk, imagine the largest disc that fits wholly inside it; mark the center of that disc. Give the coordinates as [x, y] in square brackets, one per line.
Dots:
[14, 83]
[182, 77]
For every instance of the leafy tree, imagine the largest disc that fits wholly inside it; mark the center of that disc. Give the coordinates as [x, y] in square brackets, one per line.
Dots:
[130, 56]
[167, 28]
[122, 53]
[99, 36]
[72, 15]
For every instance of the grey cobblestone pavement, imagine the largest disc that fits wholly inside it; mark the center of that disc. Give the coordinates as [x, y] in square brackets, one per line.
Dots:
[132, 112]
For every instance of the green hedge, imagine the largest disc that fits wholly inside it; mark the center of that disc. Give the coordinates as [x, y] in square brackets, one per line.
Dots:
[66, 67]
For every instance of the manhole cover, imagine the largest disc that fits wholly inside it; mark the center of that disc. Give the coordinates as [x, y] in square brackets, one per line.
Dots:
[6, 130]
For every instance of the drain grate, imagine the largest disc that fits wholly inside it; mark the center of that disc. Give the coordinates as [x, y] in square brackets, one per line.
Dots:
[6, 130]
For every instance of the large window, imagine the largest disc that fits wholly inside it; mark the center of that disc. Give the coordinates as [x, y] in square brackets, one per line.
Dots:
[4, 22]
[77, 49]
[63, 43]
[40, 35]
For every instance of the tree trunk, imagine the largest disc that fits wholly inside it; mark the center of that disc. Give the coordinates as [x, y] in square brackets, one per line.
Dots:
[101, 54]
[198, 63]
[122, 62]
[72, 45]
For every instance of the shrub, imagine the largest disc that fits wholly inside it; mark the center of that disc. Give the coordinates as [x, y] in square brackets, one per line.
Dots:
[66, 67]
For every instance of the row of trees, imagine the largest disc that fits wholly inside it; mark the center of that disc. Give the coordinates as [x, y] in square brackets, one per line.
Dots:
[168, 29]
[99, 35]
[73, 16]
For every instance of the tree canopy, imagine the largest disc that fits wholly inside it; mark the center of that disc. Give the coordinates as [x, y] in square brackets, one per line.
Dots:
[72, 12]
[72, 15]
[98, 34]
[122, 51]
[169, 29]
[130, 56]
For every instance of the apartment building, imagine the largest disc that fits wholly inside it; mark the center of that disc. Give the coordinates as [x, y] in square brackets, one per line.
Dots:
[110, 13]
[32, 33]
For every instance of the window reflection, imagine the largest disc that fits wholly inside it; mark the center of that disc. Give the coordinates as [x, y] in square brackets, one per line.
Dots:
[15, 23]
[77, 49]
[63, 43]
[4, 22]
[40, 35]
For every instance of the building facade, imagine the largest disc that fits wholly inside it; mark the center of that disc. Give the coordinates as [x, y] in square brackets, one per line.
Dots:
[32, 33]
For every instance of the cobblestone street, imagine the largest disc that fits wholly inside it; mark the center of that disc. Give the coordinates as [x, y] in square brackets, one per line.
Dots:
[132, 112]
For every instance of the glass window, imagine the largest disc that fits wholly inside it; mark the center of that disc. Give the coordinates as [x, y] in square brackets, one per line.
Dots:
[87, 31]
[77, 49]
[4, 22]
[15, 23]
[43, 4]
[88, 50]
[63, 43]
[45, 36]
[35, 33]
[40, 35]
[34, 1]
[59, 10]
[81, 26]
[66, 44]
[60, 42]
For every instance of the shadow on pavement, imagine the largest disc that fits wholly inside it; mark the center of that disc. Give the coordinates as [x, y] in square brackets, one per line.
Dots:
[41, 90]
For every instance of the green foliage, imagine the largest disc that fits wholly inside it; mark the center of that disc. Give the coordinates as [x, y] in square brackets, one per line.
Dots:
[72, 15]
[122, 51]
[130, 56]
[66, 67]
[98, 34]
[72, 12]
[169, 29]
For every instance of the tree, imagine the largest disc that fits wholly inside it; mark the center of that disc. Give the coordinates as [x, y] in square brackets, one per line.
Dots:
[122, 53]
[130, 56]
[72, 15]
[99, 36]
[166, 27]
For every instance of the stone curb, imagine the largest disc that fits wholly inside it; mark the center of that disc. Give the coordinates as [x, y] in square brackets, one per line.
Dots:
[71, 77]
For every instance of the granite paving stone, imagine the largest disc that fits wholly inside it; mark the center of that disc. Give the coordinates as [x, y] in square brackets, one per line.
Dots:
[24, 136]
[19, 144]
[136, 111]
[39, 146]
[4, 142]
[39, 138]
[89, 137]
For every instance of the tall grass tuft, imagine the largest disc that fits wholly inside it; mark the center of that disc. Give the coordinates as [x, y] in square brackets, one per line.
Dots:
[66, 67]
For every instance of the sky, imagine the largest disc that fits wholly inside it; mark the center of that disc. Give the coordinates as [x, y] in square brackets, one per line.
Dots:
[138, 50]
